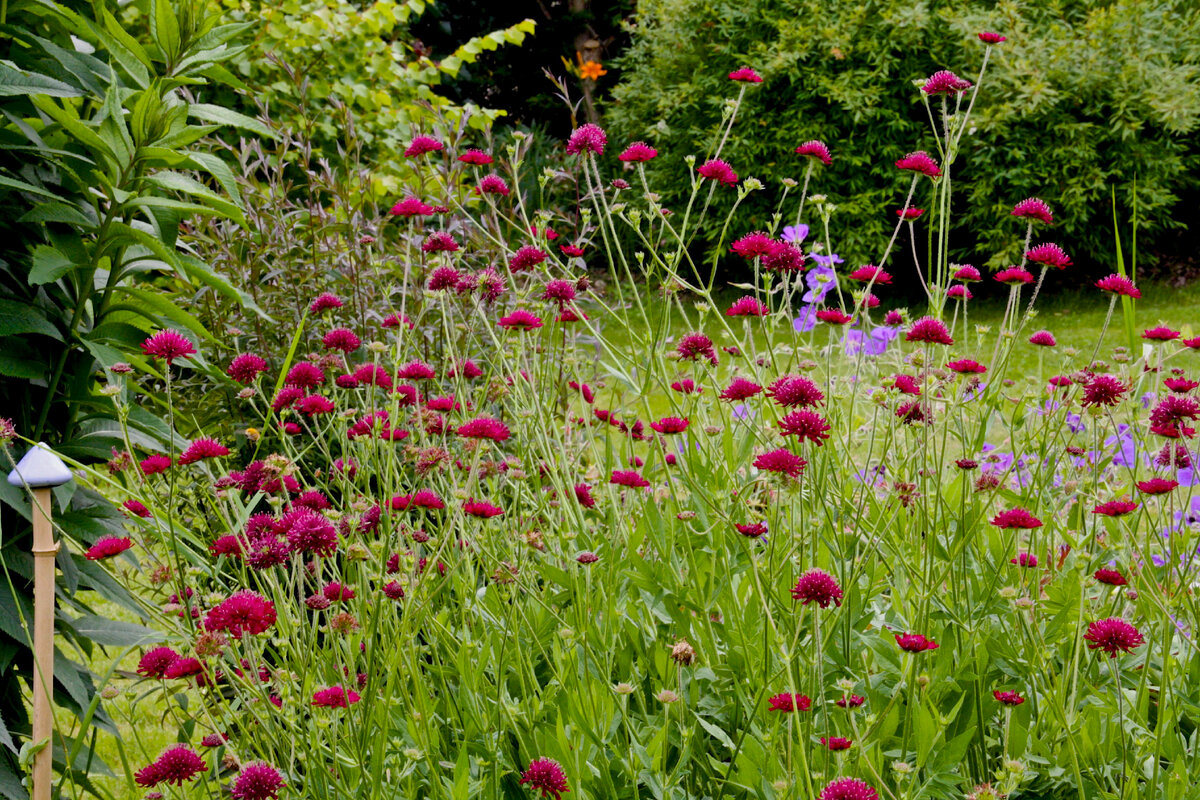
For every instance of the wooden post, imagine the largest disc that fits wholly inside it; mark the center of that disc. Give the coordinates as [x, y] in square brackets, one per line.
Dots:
[40, 471]
[45, 549]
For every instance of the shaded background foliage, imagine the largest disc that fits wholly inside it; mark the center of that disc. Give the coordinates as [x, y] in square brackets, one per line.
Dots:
[1084, 97]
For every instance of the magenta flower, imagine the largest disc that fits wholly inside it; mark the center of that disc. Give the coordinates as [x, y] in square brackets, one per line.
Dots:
[967, 274]
[1043, 339]
[1034, 209]
[805, 425]
[751, 529]
[177, 765]
[1118, 285]
[1110, 577]
[476, 158]
[930, 331]
[915, 643]
[817, 150]
[1014, 276]
[481, 509]
[305, 375]
[242, 612]
[1113, 635]
[909, 214]
[959, 292]
[107, 547]
[638, 153]
[834, 316]
[546, 776]
[422, 145]
[747, 307]
[781, 462]
[694, 346]
[945, 82]
[848, 789]
[630, 478]
[439, 242]
[753, 245]
[1115, 508]
[1016, 518]
[987, 37]
[587, 138]
[817, 586]
[246, 367]
[324, 302]
[153, 465]
[1049, 255]
[155, 662]
[520, 320]
[870, 273]
[258, 780]
[787, 702]
[1157, 486]
[717, 170]
[1024, 560]
[411, 207]
[795, 391]
[668, 425]
[1103, 390]
[1008, 698]
[335, 697]
[168, 345]
[921, 163]
[745, 75]
[201, 449]
[740, 389]
[484, 428]
[1160, 334]
[527, 257]
[492, 184]
[965, 366]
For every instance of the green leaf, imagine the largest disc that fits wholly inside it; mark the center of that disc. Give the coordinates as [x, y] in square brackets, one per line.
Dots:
[223, 116]
[113, 632]
[48, 265]
[22, 186]
[164, 28]
[15, 82]
[154, 303]
[18, 360]
[17, 317]
[178, 182]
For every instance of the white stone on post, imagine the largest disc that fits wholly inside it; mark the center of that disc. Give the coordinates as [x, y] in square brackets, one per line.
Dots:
[40, 471]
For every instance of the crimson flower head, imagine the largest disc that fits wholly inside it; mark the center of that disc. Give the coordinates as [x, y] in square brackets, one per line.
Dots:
[967, 274]
[630, 478]
[153, 465]
[1113, 635]
[915, 643]
[546, 776]
[751, 529]
[1043, 339]
[964, 366]
[909, 214]
[422, 145]
[481, 509]
[1115, 508]
[335, 697]
[493, 184]
[834, 316]
[717, 170]
[246, 367]
[945, 82]
[306, 375]
[201, 449]
[795, 391]
[781, 462]
[155, 662]
[748, 307]
[1103, 390]
[587, 138]
[107, 547]
[476, 158]
[921, 163]
[638, 153]
[928, 330]
[1034, 209]
[853, 701]
[987, 37]
[670, 425]
[177, 765]
[411, 207]
[1014, 276]
[848, 789]
[1118, 285]
[787, 702]
[1049, 255]
[520, 320]
[696, 345]
[959, 292]
[815, 150]
[745, 75]
[805, 424]
[1024, 559]
[241, 613]
[258, 780]
[817, 586]
[324, 302]
[1016, 518]
[836, 743]
[740, 389]
[168, 345]
[1110, 577]
[1160, 334]
[753, 245]
[527, 257]
[1008, 698]
[484, 428]
[439, 242]
[1157, 486]
[870, 273]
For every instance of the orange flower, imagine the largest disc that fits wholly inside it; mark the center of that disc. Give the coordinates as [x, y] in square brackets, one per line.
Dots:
[591, 70]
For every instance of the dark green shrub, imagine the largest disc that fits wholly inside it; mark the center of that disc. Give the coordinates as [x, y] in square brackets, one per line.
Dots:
[1083, 96]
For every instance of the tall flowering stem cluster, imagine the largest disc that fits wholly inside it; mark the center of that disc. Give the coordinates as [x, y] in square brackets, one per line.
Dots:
[520, 533]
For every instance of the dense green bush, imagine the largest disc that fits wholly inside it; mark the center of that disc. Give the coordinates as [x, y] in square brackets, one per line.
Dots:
[1082, 97]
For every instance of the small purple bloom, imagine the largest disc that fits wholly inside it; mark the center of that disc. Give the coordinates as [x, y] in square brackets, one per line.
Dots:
[795, 234]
